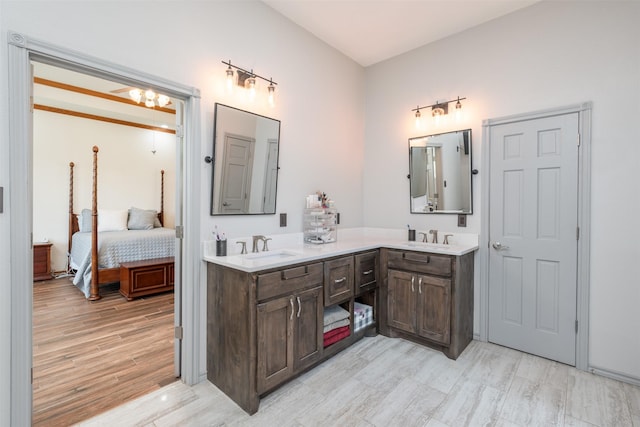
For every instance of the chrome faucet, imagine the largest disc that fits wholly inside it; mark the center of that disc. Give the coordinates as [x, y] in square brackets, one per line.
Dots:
[424, 237]
[446, 239]
[264, 243]
[255, 243]
[243, 250]
[435, 235]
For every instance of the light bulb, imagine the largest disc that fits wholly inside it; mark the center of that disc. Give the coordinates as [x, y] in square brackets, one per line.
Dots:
[163, 100]
[149, 94]
[272, 90]
[418, 119]
[149, 103]
[251, 84]
[136, 95]
[229, 79]
[458, 110]
[437, 115]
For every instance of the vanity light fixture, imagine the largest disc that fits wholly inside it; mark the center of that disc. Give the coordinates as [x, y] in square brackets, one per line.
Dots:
[439, 110]
[247, 79]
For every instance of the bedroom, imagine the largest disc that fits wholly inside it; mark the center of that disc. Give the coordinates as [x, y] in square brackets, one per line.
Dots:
[600, 43]
[136, 169]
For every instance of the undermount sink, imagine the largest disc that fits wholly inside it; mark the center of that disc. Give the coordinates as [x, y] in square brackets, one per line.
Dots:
[275, 254]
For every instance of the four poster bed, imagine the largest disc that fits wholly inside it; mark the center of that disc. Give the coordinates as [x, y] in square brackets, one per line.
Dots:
[103, 244]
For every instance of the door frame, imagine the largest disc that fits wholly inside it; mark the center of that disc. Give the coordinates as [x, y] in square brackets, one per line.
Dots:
[21, 50]
[583, 216]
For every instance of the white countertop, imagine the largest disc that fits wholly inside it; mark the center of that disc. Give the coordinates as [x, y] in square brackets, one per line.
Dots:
[288, 249]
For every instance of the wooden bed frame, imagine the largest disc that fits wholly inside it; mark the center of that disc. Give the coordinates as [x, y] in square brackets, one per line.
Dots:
[105, 275]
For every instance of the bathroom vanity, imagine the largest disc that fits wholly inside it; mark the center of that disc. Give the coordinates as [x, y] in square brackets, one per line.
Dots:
[265, 312]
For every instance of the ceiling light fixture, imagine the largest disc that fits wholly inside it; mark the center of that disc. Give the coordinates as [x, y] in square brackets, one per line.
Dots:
[439, 110]
[150, 98]
[247, 79]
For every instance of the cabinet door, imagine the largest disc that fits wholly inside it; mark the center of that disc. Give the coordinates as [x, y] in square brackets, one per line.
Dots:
[366, 271]
[401, 302]
[307, 328]
[275, 342]
[338, 280]
[434, 308]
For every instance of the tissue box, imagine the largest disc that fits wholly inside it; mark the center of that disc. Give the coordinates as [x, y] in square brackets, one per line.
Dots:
[362, 316]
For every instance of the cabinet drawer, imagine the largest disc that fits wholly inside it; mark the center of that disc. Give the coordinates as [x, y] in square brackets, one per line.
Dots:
[338, 280]
[366, 271]
[288, 280]
[420, 262]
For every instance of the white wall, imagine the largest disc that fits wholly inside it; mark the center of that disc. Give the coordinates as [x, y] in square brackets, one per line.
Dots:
[128, 173]
[319, 100]
[549, 55]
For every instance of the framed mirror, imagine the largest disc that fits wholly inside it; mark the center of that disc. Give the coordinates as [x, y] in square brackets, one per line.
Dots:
[440, 173]
[245, 162]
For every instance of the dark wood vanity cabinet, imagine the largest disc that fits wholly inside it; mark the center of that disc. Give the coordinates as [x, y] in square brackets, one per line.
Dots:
[266, 327]
[289, 336]
[338, 280]
[428, 298]
[366, 271]
[420, 305]
[262, 328]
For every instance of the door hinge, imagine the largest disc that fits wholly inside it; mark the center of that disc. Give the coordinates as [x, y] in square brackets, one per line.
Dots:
[31, 375]
[179, 232]
[576, 326]
[578, 139]
[577, 233]
[179, 131]
[178, 332]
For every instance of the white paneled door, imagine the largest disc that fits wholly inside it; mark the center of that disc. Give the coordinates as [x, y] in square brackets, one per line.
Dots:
[533, 236]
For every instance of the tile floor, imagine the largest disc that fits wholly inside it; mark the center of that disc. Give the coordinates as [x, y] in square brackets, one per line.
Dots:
[392, 382]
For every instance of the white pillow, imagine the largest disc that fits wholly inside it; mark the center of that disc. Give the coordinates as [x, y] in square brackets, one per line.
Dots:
[112, 220]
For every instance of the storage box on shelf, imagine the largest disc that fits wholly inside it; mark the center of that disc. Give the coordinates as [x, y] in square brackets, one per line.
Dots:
[320, 225]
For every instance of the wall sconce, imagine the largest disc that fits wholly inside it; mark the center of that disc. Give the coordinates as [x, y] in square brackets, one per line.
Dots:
[247, 79]
[438, 111]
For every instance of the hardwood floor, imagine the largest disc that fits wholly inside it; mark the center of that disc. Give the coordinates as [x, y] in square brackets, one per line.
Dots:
[89, 357]
[386, 382]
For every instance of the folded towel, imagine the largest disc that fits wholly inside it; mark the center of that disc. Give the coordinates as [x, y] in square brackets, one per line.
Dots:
[335, 332]
[336, 324]
[337, 337]
[334, 313]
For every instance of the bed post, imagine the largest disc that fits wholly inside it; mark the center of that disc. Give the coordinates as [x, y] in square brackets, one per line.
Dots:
[94, 290]
[71, 165]
[162, 197]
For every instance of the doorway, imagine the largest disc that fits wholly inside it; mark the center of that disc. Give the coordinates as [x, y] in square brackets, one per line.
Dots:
[534, 286]
[21, 52]
[128, 344]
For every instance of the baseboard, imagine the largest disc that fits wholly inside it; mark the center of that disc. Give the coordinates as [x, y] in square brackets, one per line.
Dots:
[614, 375]
[608, 373]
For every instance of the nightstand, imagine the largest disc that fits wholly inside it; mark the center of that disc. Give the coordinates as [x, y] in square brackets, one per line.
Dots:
[42, 261]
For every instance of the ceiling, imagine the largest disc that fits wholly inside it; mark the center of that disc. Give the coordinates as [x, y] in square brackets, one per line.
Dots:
[370, 31]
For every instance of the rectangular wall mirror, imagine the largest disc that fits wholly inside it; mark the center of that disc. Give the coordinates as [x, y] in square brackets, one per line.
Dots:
[440, 173]
[245, 162]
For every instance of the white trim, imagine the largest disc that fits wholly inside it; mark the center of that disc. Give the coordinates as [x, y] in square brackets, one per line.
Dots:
[21, 50]
[615, 375]
[20, 220]
[584, 221]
